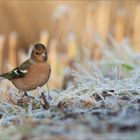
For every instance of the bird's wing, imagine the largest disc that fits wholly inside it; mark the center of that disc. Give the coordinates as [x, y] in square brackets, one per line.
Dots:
[18, 72]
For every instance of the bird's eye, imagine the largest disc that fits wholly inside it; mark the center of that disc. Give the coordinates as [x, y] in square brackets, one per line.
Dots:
[37, 53]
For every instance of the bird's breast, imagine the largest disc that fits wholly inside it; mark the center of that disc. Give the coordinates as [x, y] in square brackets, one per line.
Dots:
[37, 75]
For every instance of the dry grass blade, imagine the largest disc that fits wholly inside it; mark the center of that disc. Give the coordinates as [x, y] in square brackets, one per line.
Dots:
[45, 104]
[8, 98]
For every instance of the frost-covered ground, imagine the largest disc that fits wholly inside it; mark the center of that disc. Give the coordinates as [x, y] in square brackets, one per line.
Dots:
[103, 103]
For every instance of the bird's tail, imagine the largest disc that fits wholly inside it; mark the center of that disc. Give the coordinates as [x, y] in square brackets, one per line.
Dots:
[3, 76]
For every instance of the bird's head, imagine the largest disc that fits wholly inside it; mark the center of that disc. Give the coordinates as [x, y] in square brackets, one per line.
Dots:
[39, 53]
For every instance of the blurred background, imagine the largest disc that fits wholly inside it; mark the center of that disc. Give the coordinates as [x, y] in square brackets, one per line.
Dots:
[68, 29]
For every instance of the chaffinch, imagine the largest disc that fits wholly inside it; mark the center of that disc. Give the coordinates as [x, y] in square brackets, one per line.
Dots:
[33, 73]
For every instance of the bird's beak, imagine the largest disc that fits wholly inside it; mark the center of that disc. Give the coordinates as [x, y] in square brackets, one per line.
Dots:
[44, 56]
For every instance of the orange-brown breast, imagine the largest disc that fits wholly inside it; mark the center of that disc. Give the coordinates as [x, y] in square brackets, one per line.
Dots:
[37, 75]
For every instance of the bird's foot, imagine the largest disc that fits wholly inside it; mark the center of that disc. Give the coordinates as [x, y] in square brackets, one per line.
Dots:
[22, 101]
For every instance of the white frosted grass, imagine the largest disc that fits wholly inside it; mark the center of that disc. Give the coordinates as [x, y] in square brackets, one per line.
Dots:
[93, 78]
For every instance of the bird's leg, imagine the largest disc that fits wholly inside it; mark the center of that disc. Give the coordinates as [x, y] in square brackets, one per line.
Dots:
[21, 100]
[26, 95]
[19, 92]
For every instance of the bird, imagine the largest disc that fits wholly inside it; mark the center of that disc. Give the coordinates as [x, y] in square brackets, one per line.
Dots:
[32, 73]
